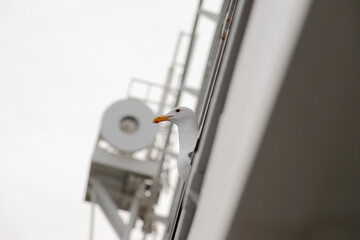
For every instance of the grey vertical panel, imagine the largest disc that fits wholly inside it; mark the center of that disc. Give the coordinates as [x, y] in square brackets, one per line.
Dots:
[305, 181]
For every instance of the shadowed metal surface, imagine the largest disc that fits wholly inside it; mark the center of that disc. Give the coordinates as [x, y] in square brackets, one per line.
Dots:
[305, 180]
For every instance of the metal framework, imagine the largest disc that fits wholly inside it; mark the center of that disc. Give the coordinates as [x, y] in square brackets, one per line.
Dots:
[112, 170]
[141, 180]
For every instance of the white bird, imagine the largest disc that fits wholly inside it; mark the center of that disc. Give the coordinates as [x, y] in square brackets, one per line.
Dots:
[187, 124]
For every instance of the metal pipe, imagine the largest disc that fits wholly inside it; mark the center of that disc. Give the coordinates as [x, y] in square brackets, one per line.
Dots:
[92, 214]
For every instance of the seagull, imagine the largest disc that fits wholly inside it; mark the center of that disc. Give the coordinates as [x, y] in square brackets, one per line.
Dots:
[186, 122]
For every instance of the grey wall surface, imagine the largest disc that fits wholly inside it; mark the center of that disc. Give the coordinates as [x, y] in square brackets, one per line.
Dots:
[305, 181]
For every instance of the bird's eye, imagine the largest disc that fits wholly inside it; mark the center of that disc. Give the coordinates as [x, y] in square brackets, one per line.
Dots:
[177, 110]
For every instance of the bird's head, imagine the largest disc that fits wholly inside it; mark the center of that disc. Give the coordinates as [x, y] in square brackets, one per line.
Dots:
[178, 115]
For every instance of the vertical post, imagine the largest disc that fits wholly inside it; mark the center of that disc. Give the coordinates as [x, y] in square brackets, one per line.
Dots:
[92, 214]
[170, 74]
[182, 83]
[134, 209]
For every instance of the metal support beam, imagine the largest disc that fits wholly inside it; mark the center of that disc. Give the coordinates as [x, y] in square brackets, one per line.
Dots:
[160, 218]
[170, 74]
[108, 206]
[134, 209]
[210, 15]
[192, 91]
[92, 214]
[148, 168]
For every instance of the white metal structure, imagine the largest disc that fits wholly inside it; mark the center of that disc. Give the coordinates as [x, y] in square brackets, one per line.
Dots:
[120, 176]
[118, 179]
[278, 150]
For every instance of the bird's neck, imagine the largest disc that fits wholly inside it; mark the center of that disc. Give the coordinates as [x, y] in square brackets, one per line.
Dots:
[188, 134]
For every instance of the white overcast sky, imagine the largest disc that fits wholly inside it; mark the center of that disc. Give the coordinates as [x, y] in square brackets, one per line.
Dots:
[61, 64]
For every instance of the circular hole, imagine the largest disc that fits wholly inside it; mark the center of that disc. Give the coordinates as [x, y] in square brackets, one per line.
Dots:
[147, 193]
[129, 124]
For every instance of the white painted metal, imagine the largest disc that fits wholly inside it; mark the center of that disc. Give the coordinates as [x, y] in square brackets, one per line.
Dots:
[134, 209]
[108, 206]
[92, 215]
[210, 15]
[128, 114]
[119, 179]
[116, 161]
[268, 43]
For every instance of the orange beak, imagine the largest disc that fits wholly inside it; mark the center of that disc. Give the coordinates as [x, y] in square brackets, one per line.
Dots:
[161, 118]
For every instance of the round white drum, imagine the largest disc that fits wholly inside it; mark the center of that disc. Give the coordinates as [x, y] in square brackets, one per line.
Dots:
[127, 125]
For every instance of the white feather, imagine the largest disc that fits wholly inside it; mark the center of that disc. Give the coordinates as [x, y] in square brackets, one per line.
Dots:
[186, 121]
